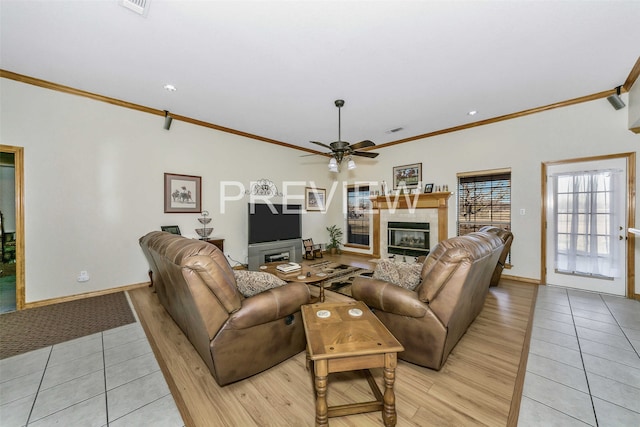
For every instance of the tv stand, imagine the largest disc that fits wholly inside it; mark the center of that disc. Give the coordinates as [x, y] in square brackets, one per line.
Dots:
[279, 250]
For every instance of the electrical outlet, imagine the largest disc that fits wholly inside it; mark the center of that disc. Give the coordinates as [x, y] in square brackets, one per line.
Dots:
[83, 276]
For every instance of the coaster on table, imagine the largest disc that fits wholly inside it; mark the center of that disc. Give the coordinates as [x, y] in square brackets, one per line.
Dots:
[323, 314]
[355, 312]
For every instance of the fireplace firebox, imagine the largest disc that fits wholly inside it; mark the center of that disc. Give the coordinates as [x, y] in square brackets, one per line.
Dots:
[408, 238]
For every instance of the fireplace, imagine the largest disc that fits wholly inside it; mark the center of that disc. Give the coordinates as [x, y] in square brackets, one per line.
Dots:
[408, 238]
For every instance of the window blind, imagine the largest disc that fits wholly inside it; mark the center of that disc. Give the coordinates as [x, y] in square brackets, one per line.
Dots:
[484, 199]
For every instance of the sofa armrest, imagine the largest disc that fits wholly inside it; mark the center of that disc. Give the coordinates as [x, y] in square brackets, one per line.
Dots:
[387, 297]
[270, 305]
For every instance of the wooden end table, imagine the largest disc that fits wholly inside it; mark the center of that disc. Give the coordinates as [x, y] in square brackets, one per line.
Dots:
[344, 342]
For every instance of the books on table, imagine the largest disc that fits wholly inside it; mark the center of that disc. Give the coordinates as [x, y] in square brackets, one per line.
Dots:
[289, 267]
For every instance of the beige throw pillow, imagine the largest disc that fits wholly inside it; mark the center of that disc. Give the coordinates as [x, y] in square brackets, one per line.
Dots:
[251, 283]
[399, 273]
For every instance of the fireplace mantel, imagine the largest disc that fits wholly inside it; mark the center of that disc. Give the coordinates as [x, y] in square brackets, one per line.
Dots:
[437, 201]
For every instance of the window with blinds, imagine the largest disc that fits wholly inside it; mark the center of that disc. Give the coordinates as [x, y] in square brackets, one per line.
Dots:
[484, 198]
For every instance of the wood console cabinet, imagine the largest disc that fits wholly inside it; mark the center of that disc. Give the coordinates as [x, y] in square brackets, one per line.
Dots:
[217, 242]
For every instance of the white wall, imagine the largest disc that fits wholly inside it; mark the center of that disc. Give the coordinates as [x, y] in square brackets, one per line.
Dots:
[94, 178]
[94, 182]
[633, 105]
[523, 144]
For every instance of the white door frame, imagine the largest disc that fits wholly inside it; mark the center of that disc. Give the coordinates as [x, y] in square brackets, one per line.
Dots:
[631, 211]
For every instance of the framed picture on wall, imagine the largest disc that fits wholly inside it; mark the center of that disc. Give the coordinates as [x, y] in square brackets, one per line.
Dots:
[407, 176]
[182, 193]
[315, 199]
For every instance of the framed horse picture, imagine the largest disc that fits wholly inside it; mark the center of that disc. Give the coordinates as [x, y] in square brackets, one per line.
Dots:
[407, 176]
[182, 193]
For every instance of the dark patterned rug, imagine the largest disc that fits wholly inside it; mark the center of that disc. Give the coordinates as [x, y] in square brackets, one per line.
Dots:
[34, 328]
[342, 284]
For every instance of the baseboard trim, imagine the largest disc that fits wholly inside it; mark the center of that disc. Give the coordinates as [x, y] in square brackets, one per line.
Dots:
[45, 302]
[521, 279]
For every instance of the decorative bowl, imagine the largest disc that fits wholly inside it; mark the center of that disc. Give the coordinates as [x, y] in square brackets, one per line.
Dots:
[204, 232]
[204, 220]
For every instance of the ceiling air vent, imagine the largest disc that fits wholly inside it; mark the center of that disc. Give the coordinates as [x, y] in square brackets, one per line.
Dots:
[138, 6]
[394, 130]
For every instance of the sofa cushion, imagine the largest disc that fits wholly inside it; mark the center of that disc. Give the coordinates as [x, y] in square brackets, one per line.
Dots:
[251, 283]
[437, 269]
[399, 273]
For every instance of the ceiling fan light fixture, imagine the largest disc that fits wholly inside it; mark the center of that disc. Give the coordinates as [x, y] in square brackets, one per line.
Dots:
[341, 150]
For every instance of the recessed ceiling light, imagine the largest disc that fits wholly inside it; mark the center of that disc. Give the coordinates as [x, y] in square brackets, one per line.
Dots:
[170, 88]
[472, 113]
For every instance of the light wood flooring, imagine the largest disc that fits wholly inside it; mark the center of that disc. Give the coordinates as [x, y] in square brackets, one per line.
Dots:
[479, 384]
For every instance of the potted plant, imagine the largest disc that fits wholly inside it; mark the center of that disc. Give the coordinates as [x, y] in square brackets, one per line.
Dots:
[335, 239]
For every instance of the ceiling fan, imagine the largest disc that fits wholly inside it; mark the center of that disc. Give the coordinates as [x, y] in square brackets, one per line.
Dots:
[341, 149]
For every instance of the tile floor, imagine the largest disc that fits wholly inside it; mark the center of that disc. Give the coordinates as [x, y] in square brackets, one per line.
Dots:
[106, 379]
[583, 369]
[584, 364]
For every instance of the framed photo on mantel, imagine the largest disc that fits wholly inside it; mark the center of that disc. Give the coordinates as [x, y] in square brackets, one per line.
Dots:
[182, 193]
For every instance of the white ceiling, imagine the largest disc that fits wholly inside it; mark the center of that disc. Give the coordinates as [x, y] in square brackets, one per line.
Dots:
[274, 68]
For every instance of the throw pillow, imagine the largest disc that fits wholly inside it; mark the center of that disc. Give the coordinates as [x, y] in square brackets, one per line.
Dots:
[387, 271]
[409, 275]
[399, 273]
[251, 283]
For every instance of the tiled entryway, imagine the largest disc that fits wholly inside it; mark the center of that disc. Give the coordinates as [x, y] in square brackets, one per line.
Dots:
[105, 379]
[584, 366]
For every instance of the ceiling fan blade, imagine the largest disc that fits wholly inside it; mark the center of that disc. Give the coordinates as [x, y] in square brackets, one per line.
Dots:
[362, 144]
[365, 154]
[321, 144]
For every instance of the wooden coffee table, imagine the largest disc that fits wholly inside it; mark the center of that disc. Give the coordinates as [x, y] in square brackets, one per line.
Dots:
[309, 274]
[344, 342]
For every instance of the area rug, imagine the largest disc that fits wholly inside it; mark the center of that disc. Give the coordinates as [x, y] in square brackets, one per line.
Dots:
[343, 283]
[34, 328]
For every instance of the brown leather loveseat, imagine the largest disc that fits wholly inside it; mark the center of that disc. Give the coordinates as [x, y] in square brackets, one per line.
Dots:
[430, 320]
[236, 336]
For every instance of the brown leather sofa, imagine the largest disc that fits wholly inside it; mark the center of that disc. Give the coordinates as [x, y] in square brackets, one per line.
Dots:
[430, 320]
[236, 336]
[507, 239]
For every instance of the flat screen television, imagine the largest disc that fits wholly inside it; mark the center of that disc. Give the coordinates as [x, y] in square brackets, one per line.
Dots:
[269, 222]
